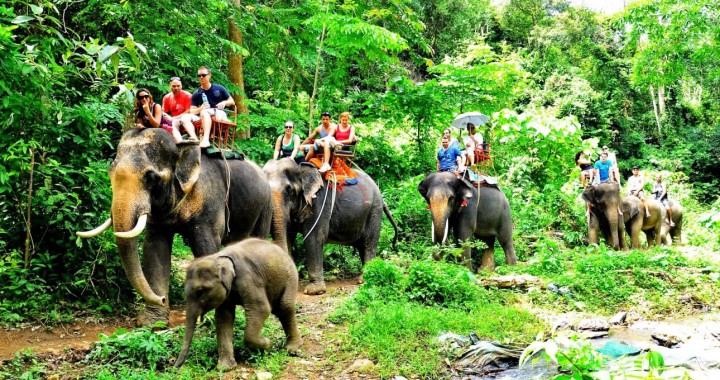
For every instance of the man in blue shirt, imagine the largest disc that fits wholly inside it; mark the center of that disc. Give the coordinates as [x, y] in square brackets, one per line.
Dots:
[449, 158]
[209, 100]
[603, 166]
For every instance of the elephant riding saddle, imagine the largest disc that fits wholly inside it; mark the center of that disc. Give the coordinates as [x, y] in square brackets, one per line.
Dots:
[339, 169]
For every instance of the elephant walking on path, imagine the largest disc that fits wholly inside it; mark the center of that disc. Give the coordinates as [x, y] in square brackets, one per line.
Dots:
[483, 212]
[165, 189]
[304, 203]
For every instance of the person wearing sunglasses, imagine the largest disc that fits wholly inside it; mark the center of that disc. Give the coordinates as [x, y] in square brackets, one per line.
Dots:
[177, 104]
[209, 100]
[148, 114]
[287, 145]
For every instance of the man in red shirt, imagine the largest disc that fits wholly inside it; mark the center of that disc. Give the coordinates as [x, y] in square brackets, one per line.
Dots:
[177, 104]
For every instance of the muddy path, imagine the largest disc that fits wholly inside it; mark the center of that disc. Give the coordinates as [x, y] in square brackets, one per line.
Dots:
[72, 341]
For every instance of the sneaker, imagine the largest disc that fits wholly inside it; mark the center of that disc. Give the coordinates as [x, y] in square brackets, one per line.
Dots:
[672, 224]
[325, 167]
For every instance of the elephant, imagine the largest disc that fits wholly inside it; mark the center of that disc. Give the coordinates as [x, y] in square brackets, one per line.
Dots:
[637, 220]
[483, 212]
[255, 274]
[603, 202]
[670, 234]
[350, 215]
[166, 188]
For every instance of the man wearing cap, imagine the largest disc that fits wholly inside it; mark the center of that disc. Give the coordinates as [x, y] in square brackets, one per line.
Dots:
[326, 131]
[177, 104]
[635, 185]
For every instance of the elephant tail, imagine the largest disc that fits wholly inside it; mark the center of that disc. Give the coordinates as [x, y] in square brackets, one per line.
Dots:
[392, 221]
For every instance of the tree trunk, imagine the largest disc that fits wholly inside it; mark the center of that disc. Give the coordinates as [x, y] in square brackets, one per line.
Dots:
[661, 100]
[235, 66]
[655, 109]
[317, 73]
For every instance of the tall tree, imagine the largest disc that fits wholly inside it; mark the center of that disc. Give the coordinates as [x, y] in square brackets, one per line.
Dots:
[235, 69]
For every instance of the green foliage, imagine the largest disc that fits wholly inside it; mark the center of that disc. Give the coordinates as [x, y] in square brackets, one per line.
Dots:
[571, 354]
[396, 317]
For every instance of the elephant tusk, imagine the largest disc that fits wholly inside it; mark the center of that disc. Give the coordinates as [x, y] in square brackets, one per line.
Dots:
[139, 227]
[432, 228]
[97, 231]
[447, 227]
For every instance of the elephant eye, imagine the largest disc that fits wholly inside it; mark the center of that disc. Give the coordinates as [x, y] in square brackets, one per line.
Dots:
[151, 177]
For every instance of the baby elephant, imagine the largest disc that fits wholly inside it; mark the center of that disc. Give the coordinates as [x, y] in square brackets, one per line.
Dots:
[254, 273]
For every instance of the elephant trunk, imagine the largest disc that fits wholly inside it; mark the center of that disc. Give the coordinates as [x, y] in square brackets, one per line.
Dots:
[123, 218]
[280, 221]
[614, 223]
[191, 317]
[440, 212]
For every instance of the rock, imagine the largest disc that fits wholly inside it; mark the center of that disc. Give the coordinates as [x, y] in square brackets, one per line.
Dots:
[666, 340]
[589, 334]
[594, 324]
[361, 366]
[562, 324]
[619, 318]
[522, 281]
[263, 375]
[398, 377]
[632, 317]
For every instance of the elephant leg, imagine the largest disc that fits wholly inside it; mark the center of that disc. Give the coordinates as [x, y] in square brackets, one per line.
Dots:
[314, 262]
[286, 315]
[593, 228]
[204, 240]
[635, 229]
[506, 241]
[224, 321]
[257, 311]
[488, 254]
[463, 232]
[156, 262]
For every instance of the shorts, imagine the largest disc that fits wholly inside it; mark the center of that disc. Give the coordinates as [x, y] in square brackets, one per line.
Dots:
[664, 202]
[586, 172]
[219, 114]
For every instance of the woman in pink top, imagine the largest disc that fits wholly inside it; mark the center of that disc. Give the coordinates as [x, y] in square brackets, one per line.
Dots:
[345, 133]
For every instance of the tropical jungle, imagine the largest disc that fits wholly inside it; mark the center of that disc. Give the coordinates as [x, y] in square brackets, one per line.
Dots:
[553, 77]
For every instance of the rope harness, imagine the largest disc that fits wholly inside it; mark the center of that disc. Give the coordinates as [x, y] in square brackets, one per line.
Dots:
[332, 204]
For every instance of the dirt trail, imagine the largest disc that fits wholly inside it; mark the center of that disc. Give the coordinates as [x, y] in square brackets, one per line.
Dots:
[79, 336]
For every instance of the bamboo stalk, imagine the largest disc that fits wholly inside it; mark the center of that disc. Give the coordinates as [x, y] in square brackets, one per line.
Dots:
[29, 208]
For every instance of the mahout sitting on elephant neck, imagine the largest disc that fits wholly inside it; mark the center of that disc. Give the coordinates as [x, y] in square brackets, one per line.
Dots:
[255, 274]
[356, 218]
[482, 212]
[176, 190]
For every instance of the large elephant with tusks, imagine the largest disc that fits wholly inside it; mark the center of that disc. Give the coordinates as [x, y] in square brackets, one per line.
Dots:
[482, 212]
[164, 188]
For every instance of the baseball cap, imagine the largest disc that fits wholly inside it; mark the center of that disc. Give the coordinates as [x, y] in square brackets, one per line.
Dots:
[605, 147]
[325, 113]
[635, 167]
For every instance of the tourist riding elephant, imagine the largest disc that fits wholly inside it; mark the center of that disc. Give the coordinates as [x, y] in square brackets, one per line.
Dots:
[255, 274]
[166, 188]
[483, 212]
[674, 233]
[351, 214]
[604, 202]
[637, 220]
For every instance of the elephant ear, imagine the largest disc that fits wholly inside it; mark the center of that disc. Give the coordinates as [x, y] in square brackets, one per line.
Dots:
[463, 189]
[589, 194]
[187, 167]
[226, 272]
[630, 209]
[423, 187]
[311, 182]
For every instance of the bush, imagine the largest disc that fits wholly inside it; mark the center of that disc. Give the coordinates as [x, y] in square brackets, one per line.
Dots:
[441, 284]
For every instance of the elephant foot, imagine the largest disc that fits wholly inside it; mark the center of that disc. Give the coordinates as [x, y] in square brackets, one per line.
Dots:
[315, 288]
[259, 343]
[293, 345]
[151, 315]
[225, 364]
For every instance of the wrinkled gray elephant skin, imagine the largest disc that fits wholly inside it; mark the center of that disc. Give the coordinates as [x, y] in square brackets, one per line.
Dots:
[303, 203]
[637, 220]
[674, 233]
[483, 212]
[169, 189]
[604, 203]
[255, 274]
